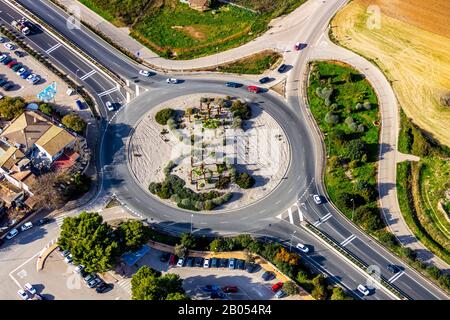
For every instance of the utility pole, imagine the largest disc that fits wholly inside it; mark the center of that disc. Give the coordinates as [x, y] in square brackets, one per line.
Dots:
[353, 212]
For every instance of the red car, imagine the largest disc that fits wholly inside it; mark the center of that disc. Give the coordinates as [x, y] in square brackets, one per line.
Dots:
[230, 289]
[12, 63]
[172, 259]
[253, 89]
[277, 286]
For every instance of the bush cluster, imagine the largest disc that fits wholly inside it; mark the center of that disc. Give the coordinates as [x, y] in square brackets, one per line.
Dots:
[164, 115]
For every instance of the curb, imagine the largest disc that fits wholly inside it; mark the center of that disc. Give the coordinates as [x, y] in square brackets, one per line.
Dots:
[44, 254]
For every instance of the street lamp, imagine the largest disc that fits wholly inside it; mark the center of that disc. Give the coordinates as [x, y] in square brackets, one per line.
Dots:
[353, 202]
[192, 215]
[290, 243]
[76, 85]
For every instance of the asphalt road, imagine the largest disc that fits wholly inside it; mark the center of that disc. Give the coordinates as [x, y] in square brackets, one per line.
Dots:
[301, 179]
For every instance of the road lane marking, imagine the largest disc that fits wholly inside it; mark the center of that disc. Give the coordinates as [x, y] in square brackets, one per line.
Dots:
[291, 218]
[322, 220]
[395, 277]
[104, 93]
[87, 75]
[348, 240]
[56, 46]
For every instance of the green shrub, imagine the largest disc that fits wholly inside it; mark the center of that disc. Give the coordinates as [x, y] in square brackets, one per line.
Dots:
[244, 180]
[74, 122]
[164, 115]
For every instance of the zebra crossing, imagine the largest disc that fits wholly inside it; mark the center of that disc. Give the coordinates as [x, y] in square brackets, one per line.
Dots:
[125, 284]
[396, 276]
[323, 219]
[59, 219]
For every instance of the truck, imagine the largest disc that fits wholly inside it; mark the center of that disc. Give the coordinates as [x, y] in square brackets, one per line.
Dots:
[23, 25]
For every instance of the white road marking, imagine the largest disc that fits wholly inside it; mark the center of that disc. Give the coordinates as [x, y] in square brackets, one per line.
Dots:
[56, 46]
[291, 219]
[395, 277]
[348, 240]
[87, 75]
[322, 220]
[104, 93]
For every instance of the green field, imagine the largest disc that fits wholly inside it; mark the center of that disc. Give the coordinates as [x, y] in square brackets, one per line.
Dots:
[351, 139]
[174, 30]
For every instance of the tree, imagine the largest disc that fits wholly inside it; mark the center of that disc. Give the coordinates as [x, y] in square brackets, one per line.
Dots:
[244, 180]
[46, 109]
[180, 250]
[74, 122]
[188, 240]
[248, 257]
[149, 284]
[163, 115]
[320, 291]
[132, 234]
[11, 108]
[339, 294]
[46, 193]
[332, 118]
[290, 288]
[356, 149]
[217, 245]
[287, 257]
[89, 241]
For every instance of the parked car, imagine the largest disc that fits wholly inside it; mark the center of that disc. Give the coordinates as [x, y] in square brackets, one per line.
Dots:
[43, 221]
[230, 289]
[94, 282]
[268, 275]
[189, 262]
[317, 199]
[68, 259]
[223, 262]
[8, 86]
[172, 259]
[277, 286]
[146, 73]
[26, 226]
[21, 71]
[23, 294]
[253, 89]
[31, 77]
[164, 257]
[20, 54]
[9, 46]
[280, 294]
[36, 79]
[103, 287]
[393, 268]
[65, 253]
[3, 82]
[79, 104]
[12, 63]
[90, 277]
[3, 57]
[79, 268]
[198, 262]
[301, 247]
[233, 84]
[2, 39]
[240, 264]
[264, 80]
[363, 289]
[30, 288]
[172, 80]
[17, 67]
[231, 263]
[7, 60]
[210, 288]
[12, 234]
[109, 106]
[217, 295]
[180, 262]
[282, 68]
[214, 262]
[25, 74]
[250, 267]
[206, 263]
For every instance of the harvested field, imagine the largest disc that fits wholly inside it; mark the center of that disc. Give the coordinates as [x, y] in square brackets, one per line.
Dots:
[411, 47]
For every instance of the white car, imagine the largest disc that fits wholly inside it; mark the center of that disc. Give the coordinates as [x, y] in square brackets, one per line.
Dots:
[36, 79]
[12, 234]
[31, 77]
[363, 289]
[3, 57]
[145, 73]
[302, 248]
[68, 259]
[30, 288]
[109, 106]
[23, 294]
[20, 71]
[26, 226]
[180, 262]
[9, 46]
[79, 268]
[172, 80]
[317, 199]
[206, 263]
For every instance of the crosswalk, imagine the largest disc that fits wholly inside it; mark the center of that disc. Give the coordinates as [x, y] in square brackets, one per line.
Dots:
[125, 284]
[59, 219]
[323, 219]
[348, 240]
[395, 276]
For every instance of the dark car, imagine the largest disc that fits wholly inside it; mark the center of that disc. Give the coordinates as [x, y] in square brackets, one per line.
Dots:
[164, 257]
[393, 268]
[103, 287]
[7, 60]
[240, 264]
[12, 64]
[20, 54]
[230, 289]
[268, 275]
[282, 68]
[217, 295]
[8, 86]
[25, 74]
[210, 288]
[264, 80]
[16, 67]
[214, 262]
[43, 221]
[223, 263]
[250, 267]
[2, 242]
[198, 262]
[3, 82]
[189, 262]
[233, 84]
[79, 104]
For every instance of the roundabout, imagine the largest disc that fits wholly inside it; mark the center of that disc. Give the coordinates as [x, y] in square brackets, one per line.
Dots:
[120, 180]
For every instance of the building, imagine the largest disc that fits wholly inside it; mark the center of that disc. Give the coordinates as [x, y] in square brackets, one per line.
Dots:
[31, 138]
[199, 5]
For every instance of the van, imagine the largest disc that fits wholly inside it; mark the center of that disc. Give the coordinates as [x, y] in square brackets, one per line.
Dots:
[26, 226]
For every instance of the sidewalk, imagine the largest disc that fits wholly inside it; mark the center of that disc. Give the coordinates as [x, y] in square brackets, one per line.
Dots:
[389, 156]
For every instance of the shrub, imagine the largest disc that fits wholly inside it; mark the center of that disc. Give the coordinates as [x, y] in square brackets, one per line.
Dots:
[241, 110]
[46, 109]
[388, 239]
[164, 115]
[332, 118]
[74, 122]
[188, 240]
[11, 108]
[325, 93]
[223, 183]
[244, 180]
[356, 149]
[367, 105]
